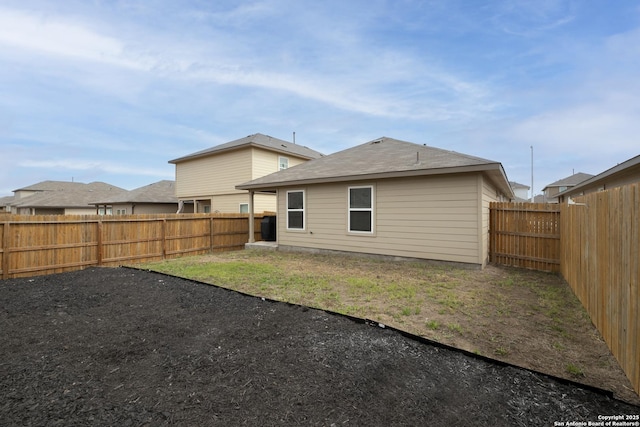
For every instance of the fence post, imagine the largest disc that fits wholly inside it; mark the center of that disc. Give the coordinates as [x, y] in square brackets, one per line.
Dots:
[100, 254]
[164, 238]
[6, 247]
[211, 237]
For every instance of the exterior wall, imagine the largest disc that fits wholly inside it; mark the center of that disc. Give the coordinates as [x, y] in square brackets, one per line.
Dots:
[230, 203]
[489, 194]
[211, 175]
[624, 178]
[429, 217]
[212, 180]
[148, 208]
[68, 211]
[267, 162]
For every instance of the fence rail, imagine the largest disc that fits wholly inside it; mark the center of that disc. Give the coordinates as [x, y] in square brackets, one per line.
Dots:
[34, 245]
[525, 235]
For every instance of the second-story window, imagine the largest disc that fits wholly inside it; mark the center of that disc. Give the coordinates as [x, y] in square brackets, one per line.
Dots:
[283, 163]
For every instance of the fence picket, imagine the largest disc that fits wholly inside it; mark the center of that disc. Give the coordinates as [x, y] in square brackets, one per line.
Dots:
[33, 245]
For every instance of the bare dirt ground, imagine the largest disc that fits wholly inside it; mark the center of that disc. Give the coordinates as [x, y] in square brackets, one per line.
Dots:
[129, 347]
[527, 318]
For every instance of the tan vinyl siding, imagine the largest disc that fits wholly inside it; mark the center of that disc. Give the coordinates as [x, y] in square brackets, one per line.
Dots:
[430, 217]
[213, 175]
[267, 162]
[489, 194]
[230, 203]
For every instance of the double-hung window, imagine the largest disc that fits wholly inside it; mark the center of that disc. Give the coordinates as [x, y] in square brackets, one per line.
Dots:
[361, 209]
[295, 210]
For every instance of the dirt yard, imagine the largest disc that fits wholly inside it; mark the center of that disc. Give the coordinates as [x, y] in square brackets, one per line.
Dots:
[527, 318]
[128, 347]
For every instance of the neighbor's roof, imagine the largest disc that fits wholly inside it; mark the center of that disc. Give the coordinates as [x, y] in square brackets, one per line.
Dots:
[515, 185]
[256, 140]
[381, 158]
[622, 168]
[61, 194]
[570, 181]
[67, 186]
[158, 192]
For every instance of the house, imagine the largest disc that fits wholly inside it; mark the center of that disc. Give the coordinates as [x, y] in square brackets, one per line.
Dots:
[208, 178]
[521, 191]
[388, 197]
[627, 172]
[5, 204]
[61, 198]
[155, 198]
[551, 191]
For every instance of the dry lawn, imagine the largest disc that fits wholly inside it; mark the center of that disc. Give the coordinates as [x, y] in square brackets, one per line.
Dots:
[527, 318]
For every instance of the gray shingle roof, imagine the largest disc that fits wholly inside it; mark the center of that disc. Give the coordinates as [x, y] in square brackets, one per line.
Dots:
[381, 158]
[256, 140]
[61, 194]
[158, 192]
[623, 167]
[570, 181]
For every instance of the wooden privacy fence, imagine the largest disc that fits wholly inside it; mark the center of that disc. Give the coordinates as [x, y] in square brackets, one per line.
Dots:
[34, 245]
[600, 260]
[525, 235]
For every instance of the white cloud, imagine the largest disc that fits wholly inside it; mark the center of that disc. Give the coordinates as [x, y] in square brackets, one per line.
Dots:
[96, 166]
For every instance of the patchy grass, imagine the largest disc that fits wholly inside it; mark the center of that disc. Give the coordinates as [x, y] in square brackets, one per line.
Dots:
[528, 318]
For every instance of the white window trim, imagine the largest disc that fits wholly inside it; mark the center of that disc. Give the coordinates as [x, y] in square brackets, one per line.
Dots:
[303, 210]
[280, 158]
[240, 207]
[371, 209]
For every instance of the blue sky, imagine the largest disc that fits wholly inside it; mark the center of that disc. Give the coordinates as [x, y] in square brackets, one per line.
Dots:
[112, 90]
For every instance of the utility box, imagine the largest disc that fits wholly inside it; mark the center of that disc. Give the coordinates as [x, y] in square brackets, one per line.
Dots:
[268, 228]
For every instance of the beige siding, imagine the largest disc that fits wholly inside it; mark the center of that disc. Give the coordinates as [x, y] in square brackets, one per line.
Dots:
[213, 175]
[489, 194]
[154, 208]
[267, 162]
[431, 217]
[230, 203]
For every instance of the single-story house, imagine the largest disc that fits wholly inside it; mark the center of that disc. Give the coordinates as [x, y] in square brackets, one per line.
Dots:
[207, 179]
[388, 197]
[155, 198]
[61, 198]
[627, 172]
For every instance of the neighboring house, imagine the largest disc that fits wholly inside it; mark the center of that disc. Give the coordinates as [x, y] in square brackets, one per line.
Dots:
[521, 191]
[625, 173]
[208, 178]
[61, 198]
[389, 197]
[552, 190]
[158, 197]
[5, 204]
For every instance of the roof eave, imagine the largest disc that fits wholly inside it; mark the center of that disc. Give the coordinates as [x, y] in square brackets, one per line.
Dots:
[381, 175]
[239, 147]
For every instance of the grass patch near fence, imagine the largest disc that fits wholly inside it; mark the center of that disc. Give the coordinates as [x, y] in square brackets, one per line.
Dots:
[528, 318]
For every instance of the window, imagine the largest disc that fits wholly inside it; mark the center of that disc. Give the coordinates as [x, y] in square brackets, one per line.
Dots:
[295, 210]
[244, 207]
[206, 208]
[121, 211]
[283, 163]
[361, 209]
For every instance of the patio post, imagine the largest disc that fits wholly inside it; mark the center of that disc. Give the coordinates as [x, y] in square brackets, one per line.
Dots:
[251, 218]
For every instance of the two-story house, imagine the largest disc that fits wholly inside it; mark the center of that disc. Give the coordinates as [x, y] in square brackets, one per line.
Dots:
[551, 191]
[208, 178]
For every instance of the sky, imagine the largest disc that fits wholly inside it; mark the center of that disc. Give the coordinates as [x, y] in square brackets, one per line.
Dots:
[112, 90]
